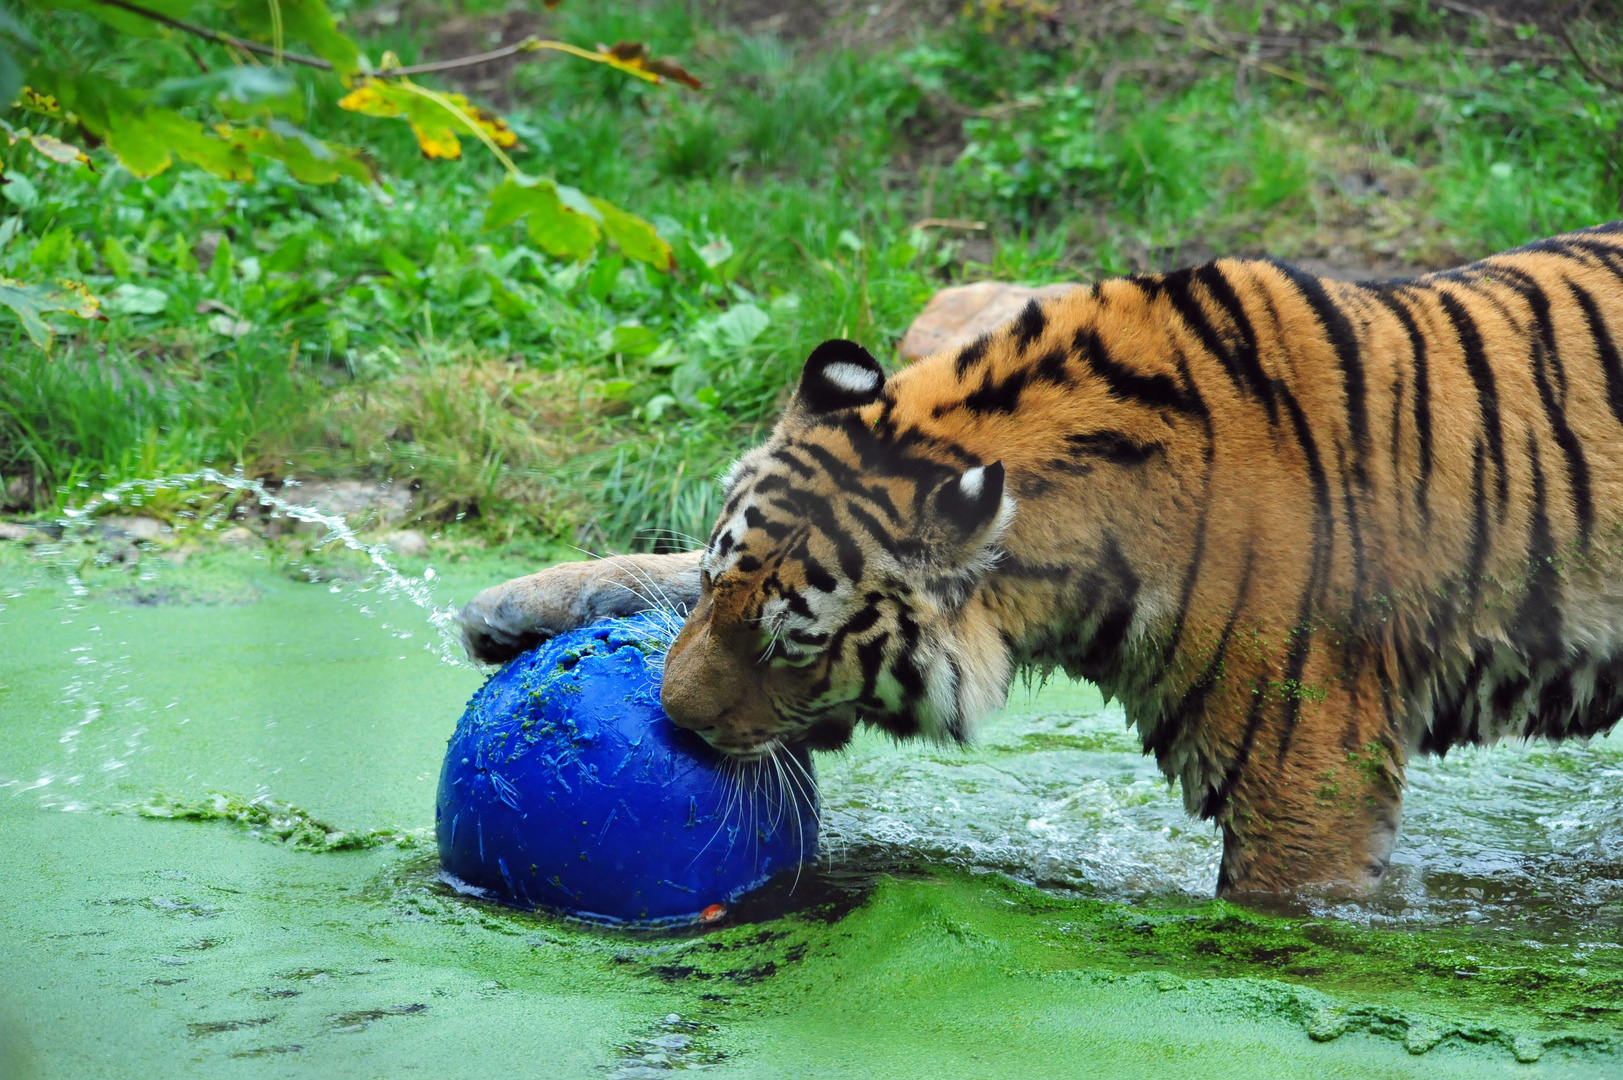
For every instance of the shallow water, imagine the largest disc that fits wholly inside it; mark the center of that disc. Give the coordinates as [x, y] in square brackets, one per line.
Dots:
[217, 793]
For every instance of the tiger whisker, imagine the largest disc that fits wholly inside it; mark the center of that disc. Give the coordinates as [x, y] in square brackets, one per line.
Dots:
[734, 793]
[786, 786]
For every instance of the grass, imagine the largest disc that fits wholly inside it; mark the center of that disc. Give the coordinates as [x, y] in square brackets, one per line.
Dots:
[382, 332]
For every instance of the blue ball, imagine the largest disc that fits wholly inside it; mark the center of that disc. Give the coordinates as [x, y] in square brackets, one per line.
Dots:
[566, 786]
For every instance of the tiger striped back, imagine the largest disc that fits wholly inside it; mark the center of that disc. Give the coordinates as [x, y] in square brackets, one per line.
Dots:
[1302, 529]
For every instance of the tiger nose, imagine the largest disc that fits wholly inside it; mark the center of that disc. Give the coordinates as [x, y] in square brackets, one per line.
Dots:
[699, 683]
[684, 702]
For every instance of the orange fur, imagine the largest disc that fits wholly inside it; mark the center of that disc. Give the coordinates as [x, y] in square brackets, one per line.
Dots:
[1303, 529]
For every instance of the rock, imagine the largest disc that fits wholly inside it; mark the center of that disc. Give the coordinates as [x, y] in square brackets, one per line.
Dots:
[179, 555]
[132, 528]
[22, 534]
[954, 317]
[408, 543]
[1527, 1048]
[237, 534]
[1422, 1037]
[207, 245]
[1327, 1024]
[386, 502]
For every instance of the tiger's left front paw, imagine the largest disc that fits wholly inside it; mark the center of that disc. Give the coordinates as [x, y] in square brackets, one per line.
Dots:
[495, 628]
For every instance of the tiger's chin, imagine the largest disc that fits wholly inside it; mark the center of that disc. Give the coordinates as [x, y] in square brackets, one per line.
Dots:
[823, 735]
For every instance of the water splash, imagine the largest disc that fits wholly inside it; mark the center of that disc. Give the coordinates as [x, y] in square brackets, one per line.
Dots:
[77, 522]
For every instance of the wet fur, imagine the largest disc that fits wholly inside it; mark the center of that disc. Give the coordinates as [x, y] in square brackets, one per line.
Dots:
[1301, 528]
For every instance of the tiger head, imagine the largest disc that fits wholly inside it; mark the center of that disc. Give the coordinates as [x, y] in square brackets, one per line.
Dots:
[838, 580]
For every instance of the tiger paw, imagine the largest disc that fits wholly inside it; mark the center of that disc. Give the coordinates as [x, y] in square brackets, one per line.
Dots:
[507, 619]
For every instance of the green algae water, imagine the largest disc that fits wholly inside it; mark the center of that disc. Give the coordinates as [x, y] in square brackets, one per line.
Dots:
[216, 798]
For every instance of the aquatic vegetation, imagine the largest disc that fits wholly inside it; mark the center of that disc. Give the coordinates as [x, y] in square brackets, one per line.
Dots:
[283, 822]
[327, 924]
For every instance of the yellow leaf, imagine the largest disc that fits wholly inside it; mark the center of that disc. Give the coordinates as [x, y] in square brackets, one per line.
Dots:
[48, 146]
[58, 151]
[633, 58]
[32, 302]
[369, 99]
[77, 300]
[36, 102]
[435, 117]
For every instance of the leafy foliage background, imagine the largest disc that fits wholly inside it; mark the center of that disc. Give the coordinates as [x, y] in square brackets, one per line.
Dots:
[556, 296]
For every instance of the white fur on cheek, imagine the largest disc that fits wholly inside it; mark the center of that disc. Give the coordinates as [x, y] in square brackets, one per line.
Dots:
[851, 378]
[717, 564]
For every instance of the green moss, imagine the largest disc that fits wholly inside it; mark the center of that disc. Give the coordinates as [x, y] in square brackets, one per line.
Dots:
[272, 820]
[938, 939]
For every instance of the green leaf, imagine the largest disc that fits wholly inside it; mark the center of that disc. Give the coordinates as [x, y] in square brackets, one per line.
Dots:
[32, 302]
[129, 299]
[656, 406]
[734, 329]
[632, 339]
[54, 247]
[557, 228]
[635, 237]
[508, 303]
[398, 265]
[116, 258]
[308, 159]
[605, 275]
[11, 75]
[308, 21]
[19, 190]
[560, 231]
[435, 118]
[290, 256]
[192, 143]
[508, 203]
[567, 223]
[238, 92]
[716, 252]
[127, 22]
[220, 270]
[139, 147]
[145, 138]
[573, 199]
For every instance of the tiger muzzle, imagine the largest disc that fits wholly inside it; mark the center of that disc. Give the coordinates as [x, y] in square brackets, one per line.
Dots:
[706, 689]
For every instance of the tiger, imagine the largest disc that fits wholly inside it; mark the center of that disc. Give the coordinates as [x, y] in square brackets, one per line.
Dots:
[1302, 529]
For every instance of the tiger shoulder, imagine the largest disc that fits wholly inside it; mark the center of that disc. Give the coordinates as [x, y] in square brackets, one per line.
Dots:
[1303, 529]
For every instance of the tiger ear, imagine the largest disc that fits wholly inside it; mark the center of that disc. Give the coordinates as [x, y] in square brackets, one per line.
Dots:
[839, 374]
[972, 504]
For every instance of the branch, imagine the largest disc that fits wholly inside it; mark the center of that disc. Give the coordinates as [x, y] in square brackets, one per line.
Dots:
[1476, 13]
[1612, 85]
[528, 45]
[1272, 69]
[219, 38]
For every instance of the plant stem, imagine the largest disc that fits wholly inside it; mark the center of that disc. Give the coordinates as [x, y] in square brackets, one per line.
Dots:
[518, 48]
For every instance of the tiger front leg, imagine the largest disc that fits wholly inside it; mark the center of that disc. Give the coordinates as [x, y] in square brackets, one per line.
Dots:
[506, 619]
[1317, 798]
